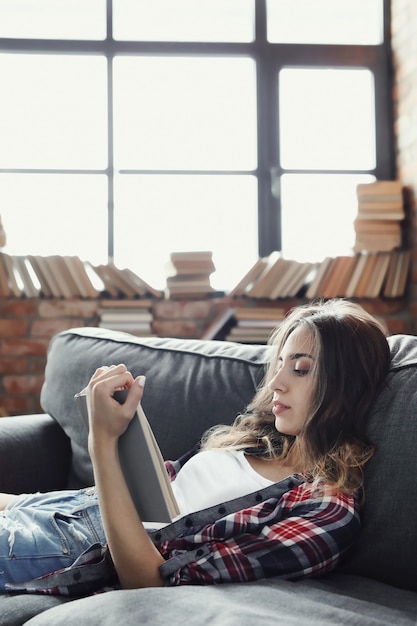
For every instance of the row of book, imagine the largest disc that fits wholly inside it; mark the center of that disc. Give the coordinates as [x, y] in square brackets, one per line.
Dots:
[55, 276]
[380, 213]
[359, 275]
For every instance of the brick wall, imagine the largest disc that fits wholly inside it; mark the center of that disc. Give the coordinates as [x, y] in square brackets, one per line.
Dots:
[27, 326]
[404, 46]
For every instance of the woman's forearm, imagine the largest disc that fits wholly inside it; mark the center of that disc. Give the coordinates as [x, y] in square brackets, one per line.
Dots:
[135, 557]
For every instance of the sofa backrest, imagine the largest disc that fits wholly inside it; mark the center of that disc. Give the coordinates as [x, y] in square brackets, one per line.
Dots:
[192, 385]
[387, 546]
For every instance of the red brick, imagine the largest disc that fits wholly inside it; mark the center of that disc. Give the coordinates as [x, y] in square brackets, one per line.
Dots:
[18, 308]
[384, 307]
[177, 328]
[68, 308]
[13, 328]
[10, 365]
[183, 309]
[23, 385]
[398, 326]
[22, 405]
[50, 327]
[22, 347]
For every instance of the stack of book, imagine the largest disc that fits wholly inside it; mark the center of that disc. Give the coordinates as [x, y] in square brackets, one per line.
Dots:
[189, 274]
[254, 324]
[244, 324]
[380, 212]
[129, 316]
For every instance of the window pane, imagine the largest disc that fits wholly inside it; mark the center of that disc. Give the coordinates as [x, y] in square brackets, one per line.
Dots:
[53, 111]
[184, 20]
[357, 22]
[317, 214]
[191, 113]
[50, 19]
[327, 119]
[156, 215]
[55, 214]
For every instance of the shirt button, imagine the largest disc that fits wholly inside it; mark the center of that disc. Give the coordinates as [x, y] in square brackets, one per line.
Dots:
[222, 510]
[258, 497]
[199, 552]
[188, 522]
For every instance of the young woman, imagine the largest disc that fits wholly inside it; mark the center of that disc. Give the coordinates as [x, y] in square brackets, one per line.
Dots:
[275, 494]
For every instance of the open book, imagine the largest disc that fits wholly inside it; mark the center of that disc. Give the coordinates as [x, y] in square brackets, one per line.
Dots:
[142, 465]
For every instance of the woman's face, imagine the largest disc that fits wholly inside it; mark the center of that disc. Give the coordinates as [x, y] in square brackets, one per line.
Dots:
[293, 382]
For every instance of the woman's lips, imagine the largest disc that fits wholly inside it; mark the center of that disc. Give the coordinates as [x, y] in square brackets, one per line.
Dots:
[279, 407]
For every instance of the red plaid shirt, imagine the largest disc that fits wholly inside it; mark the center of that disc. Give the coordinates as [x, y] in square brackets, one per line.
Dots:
[292, 529]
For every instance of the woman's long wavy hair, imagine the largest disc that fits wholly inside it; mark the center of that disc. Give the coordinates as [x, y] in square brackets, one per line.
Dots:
[352, 360]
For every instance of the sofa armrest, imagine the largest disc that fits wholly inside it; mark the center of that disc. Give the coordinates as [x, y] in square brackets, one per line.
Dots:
[35, 454]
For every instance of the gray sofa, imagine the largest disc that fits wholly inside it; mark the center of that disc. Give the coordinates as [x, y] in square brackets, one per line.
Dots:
[190, 386]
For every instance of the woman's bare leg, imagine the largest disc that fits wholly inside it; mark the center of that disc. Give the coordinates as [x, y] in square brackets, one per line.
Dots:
[5, 499]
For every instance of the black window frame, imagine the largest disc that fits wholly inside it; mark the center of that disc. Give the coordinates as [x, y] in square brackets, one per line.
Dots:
[269, 58]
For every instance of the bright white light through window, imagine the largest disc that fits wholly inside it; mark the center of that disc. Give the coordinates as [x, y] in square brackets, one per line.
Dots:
[325, 21]
[184, 20]
[327, 119]
[53, 111]
[53, 19]
[185, 113]
[55, 214]
[156, 215]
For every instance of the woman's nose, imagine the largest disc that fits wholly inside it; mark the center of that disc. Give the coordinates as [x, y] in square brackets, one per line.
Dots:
[278, 382]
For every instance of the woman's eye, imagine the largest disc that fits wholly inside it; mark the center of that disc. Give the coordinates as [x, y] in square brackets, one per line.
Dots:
[301, 372]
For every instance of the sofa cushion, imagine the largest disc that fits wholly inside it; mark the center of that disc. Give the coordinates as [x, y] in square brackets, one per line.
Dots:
[387, 546]
[191, 385]
[275, 602]
[16, 610]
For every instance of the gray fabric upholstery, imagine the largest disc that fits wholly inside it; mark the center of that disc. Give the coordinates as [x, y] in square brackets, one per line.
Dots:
[30, 445]
[387, 546]
[338, 600]
[190, 386]
[18, 610]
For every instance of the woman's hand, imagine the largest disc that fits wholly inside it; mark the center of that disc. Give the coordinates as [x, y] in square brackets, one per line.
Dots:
[136, 559]
[108, 418]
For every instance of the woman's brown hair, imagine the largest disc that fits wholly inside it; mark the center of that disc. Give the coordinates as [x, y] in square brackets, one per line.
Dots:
[353, 358]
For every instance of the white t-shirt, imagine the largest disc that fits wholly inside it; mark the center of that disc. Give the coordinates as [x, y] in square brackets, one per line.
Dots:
[214, 476]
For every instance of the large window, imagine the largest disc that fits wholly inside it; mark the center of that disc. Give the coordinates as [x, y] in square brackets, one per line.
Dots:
[131, 129]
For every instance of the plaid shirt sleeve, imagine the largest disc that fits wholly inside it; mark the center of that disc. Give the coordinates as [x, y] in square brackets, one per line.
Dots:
[303, 533]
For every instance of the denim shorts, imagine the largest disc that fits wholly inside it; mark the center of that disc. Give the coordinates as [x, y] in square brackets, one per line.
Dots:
[43, 532]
